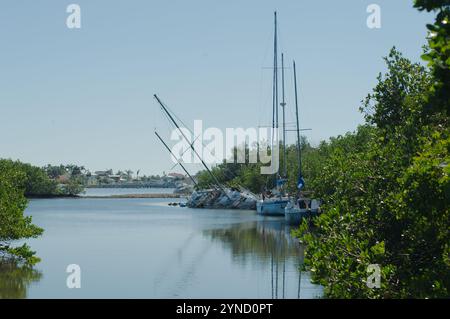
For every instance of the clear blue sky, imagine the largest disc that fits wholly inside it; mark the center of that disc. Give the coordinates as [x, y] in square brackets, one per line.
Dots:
[85, 96]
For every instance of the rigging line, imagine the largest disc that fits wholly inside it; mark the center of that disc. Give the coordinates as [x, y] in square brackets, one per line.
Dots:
[170, 124]
[298, 127]
[187, 149]
[179, 120]
[280, 38]
[180, 157]
[167, 125]
[262, 99]
[188, 128]
[226, 173]
[268, 44]
[170, 151]
[266, 98]
[176, 117]
[195, 151]
[292, 109]
[191, 146]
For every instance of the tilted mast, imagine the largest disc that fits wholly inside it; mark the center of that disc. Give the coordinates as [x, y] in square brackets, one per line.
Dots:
[191, 145]
[170, 151]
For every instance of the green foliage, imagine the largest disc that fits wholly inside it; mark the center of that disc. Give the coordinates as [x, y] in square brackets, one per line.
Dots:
[386, 196]
[248, 175]
[55, 171]
[41, 182]
[423, 206]
[73, 187]
[438, 54]
[13, 224]
[35, 182]
[74, 179]
[235, 174]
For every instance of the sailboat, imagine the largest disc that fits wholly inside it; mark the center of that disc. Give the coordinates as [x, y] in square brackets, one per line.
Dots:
[276, 204]
[219, 196]
[300, 207]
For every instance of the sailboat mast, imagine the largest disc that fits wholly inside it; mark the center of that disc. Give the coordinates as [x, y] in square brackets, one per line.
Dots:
[298, 126]
[283, 104]
[275, 89]
[192, 147]
[170, 151]
[276, 71]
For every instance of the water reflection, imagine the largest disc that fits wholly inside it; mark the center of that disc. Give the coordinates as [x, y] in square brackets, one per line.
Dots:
[174, 252]
[15, 279]
[269, 244]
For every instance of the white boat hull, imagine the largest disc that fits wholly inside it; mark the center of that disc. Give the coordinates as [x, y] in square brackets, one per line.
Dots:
[293, 214]
[271, 207]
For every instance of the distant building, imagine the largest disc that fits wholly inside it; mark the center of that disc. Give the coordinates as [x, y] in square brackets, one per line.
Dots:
[118, 178]
[103, 173]
[176, 175]
[92, 180]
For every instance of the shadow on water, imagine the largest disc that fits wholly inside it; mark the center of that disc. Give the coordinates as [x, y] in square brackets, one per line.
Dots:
[15, 278]
[268, 242]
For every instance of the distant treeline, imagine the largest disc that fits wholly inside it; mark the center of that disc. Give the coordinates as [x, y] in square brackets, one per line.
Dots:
[248, 175]
[42, 181]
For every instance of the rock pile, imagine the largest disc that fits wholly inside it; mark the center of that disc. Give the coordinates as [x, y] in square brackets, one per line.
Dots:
[215, 198]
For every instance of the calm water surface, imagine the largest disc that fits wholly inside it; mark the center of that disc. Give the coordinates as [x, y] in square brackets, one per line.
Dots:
[125, 191]
[143, 248]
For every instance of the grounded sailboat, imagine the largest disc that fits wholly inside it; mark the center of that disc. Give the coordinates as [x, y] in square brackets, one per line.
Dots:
[302, 206]
[219, 196]
[276, 204]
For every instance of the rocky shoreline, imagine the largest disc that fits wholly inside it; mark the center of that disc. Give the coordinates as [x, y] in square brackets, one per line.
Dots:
[135, 196]
[211, 198]
[217, 199]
